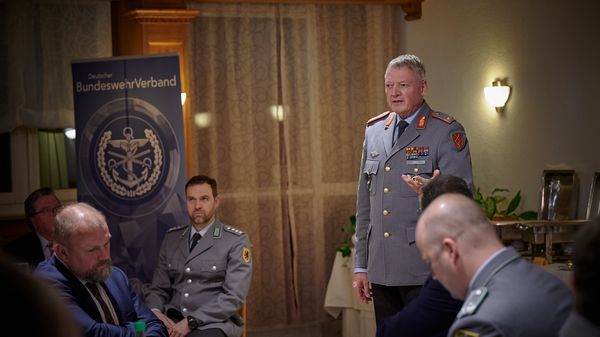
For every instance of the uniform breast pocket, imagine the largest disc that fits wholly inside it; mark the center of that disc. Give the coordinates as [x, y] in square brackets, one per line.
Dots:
[421, 167]
[212, 270]
[370, 172]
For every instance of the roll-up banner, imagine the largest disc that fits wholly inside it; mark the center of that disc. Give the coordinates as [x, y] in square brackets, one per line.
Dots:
[130, 152]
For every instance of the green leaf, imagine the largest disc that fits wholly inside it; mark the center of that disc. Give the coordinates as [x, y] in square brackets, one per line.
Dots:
[497, 190]
[528, 215]
[514, 203]
[478, 197]
[344, 249]
[490, 207]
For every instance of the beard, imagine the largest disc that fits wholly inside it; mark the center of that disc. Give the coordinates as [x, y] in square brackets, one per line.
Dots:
[201, 217]
[100, 272]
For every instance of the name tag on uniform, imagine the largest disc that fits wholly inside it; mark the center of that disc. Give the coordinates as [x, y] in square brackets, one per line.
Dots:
[415, 162]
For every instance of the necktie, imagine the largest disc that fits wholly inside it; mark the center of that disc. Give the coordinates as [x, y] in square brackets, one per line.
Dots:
[93, 287]
[398, 130]
[195, 238]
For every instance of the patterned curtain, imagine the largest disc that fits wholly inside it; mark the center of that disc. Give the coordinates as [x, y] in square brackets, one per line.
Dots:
[38, 41]
[280, 96]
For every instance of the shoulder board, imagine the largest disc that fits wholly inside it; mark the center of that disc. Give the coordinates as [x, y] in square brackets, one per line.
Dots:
[378, 117]
[173, 229]
[473, 301]
[443, 117]
[232, 230]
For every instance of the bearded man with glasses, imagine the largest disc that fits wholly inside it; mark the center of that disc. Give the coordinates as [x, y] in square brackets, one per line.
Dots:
[41, 207]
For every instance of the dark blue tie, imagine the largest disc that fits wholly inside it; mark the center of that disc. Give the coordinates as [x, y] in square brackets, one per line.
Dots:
[398, 130]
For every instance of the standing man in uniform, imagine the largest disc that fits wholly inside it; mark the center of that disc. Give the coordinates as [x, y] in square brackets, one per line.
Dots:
[204, 270]
[41, 207]
[402, 149]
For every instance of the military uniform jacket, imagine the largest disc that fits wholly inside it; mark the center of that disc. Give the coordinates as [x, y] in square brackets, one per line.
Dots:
[512, 297]
[387, 208]
[209, 283]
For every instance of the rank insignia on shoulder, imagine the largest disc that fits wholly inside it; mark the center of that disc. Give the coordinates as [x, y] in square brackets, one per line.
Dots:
[422, 123]
[443, 117]
[459, 139]
[246, 254]
[473, 301]
[378, 117]
[173, 229]
[233, 230]
[465, 333]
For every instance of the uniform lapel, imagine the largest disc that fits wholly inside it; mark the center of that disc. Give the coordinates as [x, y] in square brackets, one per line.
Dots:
[388, 132]
[184, 239]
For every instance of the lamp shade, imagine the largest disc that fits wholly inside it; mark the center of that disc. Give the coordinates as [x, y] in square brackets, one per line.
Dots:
[497, 95]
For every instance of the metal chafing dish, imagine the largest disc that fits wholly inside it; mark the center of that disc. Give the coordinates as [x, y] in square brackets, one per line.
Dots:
[539, 232]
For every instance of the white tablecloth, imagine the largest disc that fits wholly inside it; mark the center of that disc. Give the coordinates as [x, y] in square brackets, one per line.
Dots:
[358, 319]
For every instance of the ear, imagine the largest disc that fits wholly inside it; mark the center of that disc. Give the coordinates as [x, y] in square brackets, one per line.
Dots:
[61, 252]
[449, 245]
[217, 201]
[424, 88]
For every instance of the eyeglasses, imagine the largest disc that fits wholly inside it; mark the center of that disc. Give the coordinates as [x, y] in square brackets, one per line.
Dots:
[49, 210]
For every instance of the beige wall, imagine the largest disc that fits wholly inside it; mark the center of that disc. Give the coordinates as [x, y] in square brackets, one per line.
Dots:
[550, 52]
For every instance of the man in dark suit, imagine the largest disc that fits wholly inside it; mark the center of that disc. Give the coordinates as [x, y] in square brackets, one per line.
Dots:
[40, 208]
[432, 312]
[98, 295]
[504, 295]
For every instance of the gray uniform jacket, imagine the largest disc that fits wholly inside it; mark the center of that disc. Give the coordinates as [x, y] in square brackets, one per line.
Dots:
[512, 297]
[210, 283]
[387, 208]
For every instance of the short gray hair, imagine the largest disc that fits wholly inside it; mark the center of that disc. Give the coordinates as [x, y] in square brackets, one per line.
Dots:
[75, 216]
[410, 61]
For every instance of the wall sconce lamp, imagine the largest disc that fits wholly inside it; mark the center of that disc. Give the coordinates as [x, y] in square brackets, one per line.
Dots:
[497, 94]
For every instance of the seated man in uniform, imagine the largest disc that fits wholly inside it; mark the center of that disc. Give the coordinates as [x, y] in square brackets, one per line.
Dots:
[204, 269]
[504, 294]
[433, 311]
[97, 294]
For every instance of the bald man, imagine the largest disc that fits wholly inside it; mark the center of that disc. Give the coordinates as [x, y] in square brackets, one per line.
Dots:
[504, 294]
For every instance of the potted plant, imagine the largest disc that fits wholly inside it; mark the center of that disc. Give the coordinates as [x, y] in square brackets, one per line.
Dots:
[346, 246]
[492, 203]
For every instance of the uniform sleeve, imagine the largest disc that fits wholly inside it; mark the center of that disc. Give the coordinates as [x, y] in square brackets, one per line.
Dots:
[363, 210]
[235, 286]
[454, 153]
[160, 291]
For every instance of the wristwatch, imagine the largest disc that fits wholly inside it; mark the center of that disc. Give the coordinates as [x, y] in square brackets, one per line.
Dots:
[193, 324]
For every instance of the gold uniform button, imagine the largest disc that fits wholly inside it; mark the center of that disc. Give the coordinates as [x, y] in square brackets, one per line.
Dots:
[387, 168]
[385, 212]
[386, 235]
[385, 190]
[415, 170]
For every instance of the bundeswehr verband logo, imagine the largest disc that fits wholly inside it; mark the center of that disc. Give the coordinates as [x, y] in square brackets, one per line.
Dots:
[132, 157]
[130, 165]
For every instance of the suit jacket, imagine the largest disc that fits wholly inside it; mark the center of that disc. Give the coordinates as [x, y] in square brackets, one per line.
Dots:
[128, 306]
[387, 208]
[26, 248]
[522, 300]
[209, 283]
[429, 314]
